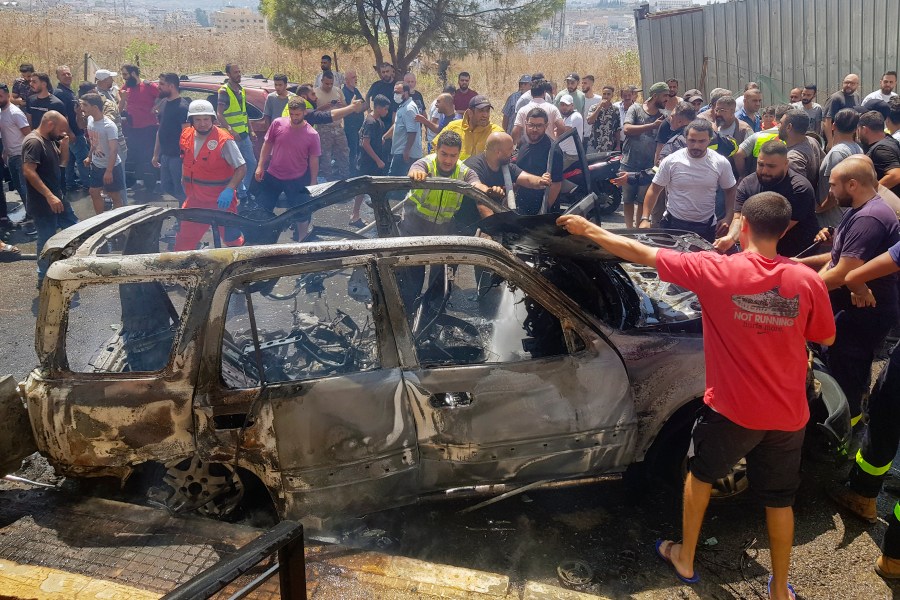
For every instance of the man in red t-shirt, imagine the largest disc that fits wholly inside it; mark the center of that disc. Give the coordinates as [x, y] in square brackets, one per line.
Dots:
[759, 309]
[464, 93]
[137, 105]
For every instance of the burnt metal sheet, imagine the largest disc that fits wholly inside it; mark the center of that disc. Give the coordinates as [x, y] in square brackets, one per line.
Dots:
[16, 439]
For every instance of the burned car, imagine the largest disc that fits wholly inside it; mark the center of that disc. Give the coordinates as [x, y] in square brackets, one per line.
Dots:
[345, 376]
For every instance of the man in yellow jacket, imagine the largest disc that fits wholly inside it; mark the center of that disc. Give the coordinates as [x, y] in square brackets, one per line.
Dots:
[474, 127]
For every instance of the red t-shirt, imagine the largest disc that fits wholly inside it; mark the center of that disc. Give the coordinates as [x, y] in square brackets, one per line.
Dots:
[141, 99]
[757, 315]
[461, 99]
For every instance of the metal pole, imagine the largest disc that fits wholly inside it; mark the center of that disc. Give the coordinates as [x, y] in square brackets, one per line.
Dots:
[86, 57]
[292, 570]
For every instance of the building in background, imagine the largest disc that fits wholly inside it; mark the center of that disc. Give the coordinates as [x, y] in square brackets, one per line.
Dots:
[236, 20]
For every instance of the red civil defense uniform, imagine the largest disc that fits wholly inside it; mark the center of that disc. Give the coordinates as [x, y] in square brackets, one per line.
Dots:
[204, 177]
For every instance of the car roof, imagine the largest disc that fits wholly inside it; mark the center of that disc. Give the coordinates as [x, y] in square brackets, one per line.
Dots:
[248, 81]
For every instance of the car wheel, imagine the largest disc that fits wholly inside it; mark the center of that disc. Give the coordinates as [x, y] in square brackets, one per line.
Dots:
[666, 463]
[609, 197]
[733, 484]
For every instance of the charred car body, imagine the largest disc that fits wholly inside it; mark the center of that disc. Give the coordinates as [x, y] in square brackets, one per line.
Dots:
[352, 375]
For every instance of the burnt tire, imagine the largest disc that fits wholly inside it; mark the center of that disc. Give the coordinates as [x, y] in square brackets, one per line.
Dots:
[666, 463]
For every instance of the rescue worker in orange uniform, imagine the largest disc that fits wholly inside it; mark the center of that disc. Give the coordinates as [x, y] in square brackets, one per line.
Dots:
[212, 169]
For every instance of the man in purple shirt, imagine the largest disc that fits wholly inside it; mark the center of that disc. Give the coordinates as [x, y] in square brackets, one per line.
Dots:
[868, 228]
[289, 161]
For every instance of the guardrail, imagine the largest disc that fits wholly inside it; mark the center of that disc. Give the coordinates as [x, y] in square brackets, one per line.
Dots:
[286, 539]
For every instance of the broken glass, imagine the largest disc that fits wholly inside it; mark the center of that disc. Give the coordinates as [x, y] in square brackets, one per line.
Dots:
[465, 314]
[299, 327]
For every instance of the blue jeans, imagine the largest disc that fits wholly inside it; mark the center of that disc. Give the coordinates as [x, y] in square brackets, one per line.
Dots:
[78, 151]
[14, 164]
[47, 226]
[245, 145]
[170, 176]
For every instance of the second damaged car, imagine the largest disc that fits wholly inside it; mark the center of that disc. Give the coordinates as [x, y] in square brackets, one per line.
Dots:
[346, 376]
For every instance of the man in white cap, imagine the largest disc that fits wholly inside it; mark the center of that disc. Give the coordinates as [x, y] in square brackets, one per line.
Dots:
[105, 84]
[573, 120]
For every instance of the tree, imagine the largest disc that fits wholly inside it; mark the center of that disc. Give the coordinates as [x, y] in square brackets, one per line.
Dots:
[406, 27]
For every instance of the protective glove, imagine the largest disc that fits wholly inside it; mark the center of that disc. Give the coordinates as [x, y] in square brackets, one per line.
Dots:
[226, 197]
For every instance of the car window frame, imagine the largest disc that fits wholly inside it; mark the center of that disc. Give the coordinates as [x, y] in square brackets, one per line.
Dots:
[59, 357]
[247, 273]
[575, 328]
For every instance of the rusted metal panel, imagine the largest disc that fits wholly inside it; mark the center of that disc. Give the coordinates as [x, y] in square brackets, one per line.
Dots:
[779, 43]
[16, 439]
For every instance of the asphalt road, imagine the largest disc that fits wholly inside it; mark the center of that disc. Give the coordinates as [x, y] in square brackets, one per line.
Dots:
[528, 536]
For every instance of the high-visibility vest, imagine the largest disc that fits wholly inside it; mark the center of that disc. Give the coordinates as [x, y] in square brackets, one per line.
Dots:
[762, 139]
[206, 175]
[236, 112]
[438, 206]
[286, 112]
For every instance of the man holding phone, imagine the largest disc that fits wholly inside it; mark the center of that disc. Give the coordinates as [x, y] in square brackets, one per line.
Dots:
[331, 135]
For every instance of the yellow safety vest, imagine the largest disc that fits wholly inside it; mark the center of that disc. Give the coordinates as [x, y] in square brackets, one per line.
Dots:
[236, 112]
[438, 206]
[767, 137]
[286, 112]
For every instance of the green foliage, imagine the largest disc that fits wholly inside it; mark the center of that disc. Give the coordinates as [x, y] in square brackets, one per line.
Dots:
[144, 50]
[406, 28]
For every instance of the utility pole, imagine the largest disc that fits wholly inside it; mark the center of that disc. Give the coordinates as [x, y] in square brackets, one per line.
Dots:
[557, 28]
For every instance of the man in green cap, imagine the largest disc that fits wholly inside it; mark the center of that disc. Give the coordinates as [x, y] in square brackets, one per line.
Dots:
[639, 149]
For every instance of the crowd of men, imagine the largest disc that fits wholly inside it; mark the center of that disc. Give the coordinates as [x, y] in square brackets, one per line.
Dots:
[771, 181]
[775, 182]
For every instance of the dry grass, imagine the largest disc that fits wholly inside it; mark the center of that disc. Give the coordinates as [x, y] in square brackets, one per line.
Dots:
[52, 39]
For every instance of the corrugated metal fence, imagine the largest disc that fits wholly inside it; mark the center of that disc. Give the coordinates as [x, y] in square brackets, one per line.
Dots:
[779, 43]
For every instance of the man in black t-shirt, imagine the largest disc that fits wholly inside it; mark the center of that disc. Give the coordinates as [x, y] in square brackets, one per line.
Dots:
[384, 87]
[881, 148]
[372, 158]
[41, 159]
[498, 151]
[773, 174]
[533, 158]
[846, 98]
[683, 114]
[42, 101]
[167, 150]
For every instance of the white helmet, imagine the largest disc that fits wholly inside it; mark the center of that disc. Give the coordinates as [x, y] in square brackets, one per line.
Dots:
[200, 108]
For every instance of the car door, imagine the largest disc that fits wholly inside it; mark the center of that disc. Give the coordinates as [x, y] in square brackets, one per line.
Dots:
[306, 376]
[507, 380]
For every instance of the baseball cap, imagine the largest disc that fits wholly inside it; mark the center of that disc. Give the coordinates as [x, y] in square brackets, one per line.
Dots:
[525, 79]
[566, 99]
[658, 88]
[480, 101]
[575, 77]
[693, 97]
[693, 92]
[103, 74]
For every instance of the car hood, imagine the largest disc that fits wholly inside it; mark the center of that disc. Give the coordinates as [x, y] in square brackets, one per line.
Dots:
[659, 302]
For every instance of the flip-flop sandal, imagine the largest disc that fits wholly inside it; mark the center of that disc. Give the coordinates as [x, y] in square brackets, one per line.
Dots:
[359, 223]
[666, 558]
[790, 590]
[8, 250]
